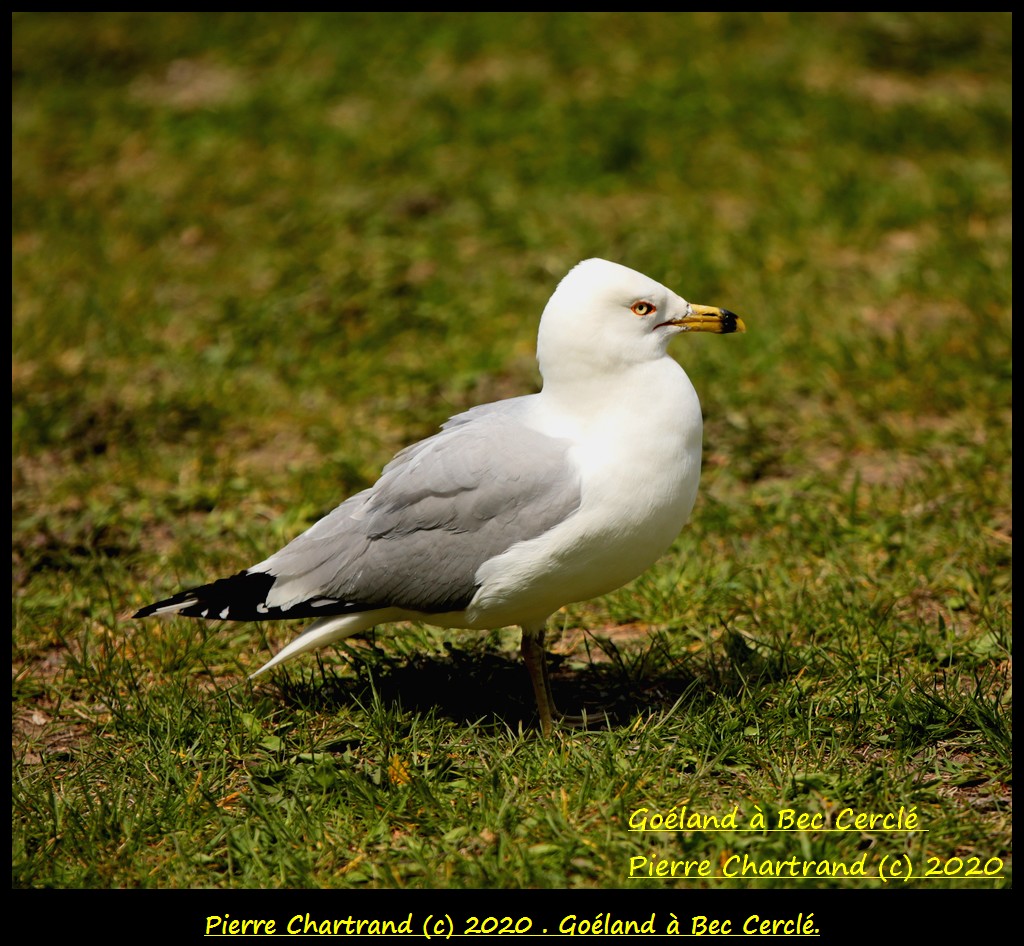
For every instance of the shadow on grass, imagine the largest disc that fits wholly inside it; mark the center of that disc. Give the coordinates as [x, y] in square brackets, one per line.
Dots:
[481, 684]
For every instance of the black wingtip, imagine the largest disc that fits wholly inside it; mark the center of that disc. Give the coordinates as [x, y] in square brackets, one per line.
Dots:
[242, 597]
[236, 598]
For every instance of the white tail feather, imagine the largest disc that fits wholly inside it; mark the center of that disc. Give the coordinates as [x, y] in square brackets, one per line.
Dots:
[328, 629]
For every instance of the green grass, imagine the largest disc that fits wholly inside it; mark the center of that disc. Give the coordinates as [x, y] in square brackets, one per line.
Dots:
[254, 255]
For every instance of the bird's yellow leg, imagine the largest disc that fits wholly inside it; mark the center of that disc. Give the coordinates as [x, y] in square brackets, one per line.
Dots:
[536, 661]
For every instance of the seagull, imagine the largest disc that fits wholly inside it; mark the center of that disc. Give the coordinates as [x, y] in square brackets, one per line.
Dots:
[513, 509]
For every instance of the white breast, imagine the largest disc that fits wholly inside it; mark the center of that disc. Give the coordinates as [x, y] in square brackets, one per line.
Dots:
[637, 451]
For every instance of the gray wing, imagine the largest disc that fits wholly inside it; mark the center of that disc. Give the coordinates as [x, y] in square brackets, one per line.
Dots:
[441, 508]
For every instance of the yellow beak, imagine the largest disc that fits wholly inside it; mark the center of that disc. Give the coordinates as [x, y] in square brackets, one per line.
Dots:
[709, 318]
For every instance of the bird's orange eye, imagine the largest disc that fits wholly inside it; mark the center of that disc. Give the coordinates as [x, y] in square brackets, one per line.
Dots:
[642, 308]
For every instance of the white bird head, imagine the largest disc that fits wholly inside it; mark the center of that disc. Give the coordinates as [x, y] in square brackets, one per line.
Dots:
[604, 318]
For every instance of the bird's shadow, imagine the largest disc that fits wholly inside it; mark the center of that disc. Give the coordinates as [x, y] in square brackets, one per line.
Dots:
[484, 685]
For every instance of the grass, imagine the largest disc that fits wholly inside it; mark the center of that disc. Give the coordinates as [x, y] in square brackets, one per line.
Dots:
[254, 255]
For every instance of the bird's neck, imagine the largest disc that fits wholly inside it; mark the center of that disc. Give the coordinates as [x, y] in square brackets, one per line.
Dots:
[571, 386]
[656, 394]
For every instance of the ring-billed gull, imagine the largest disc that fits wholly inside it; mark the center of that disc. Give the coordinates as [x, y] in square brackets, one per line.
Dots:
[516, 508]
